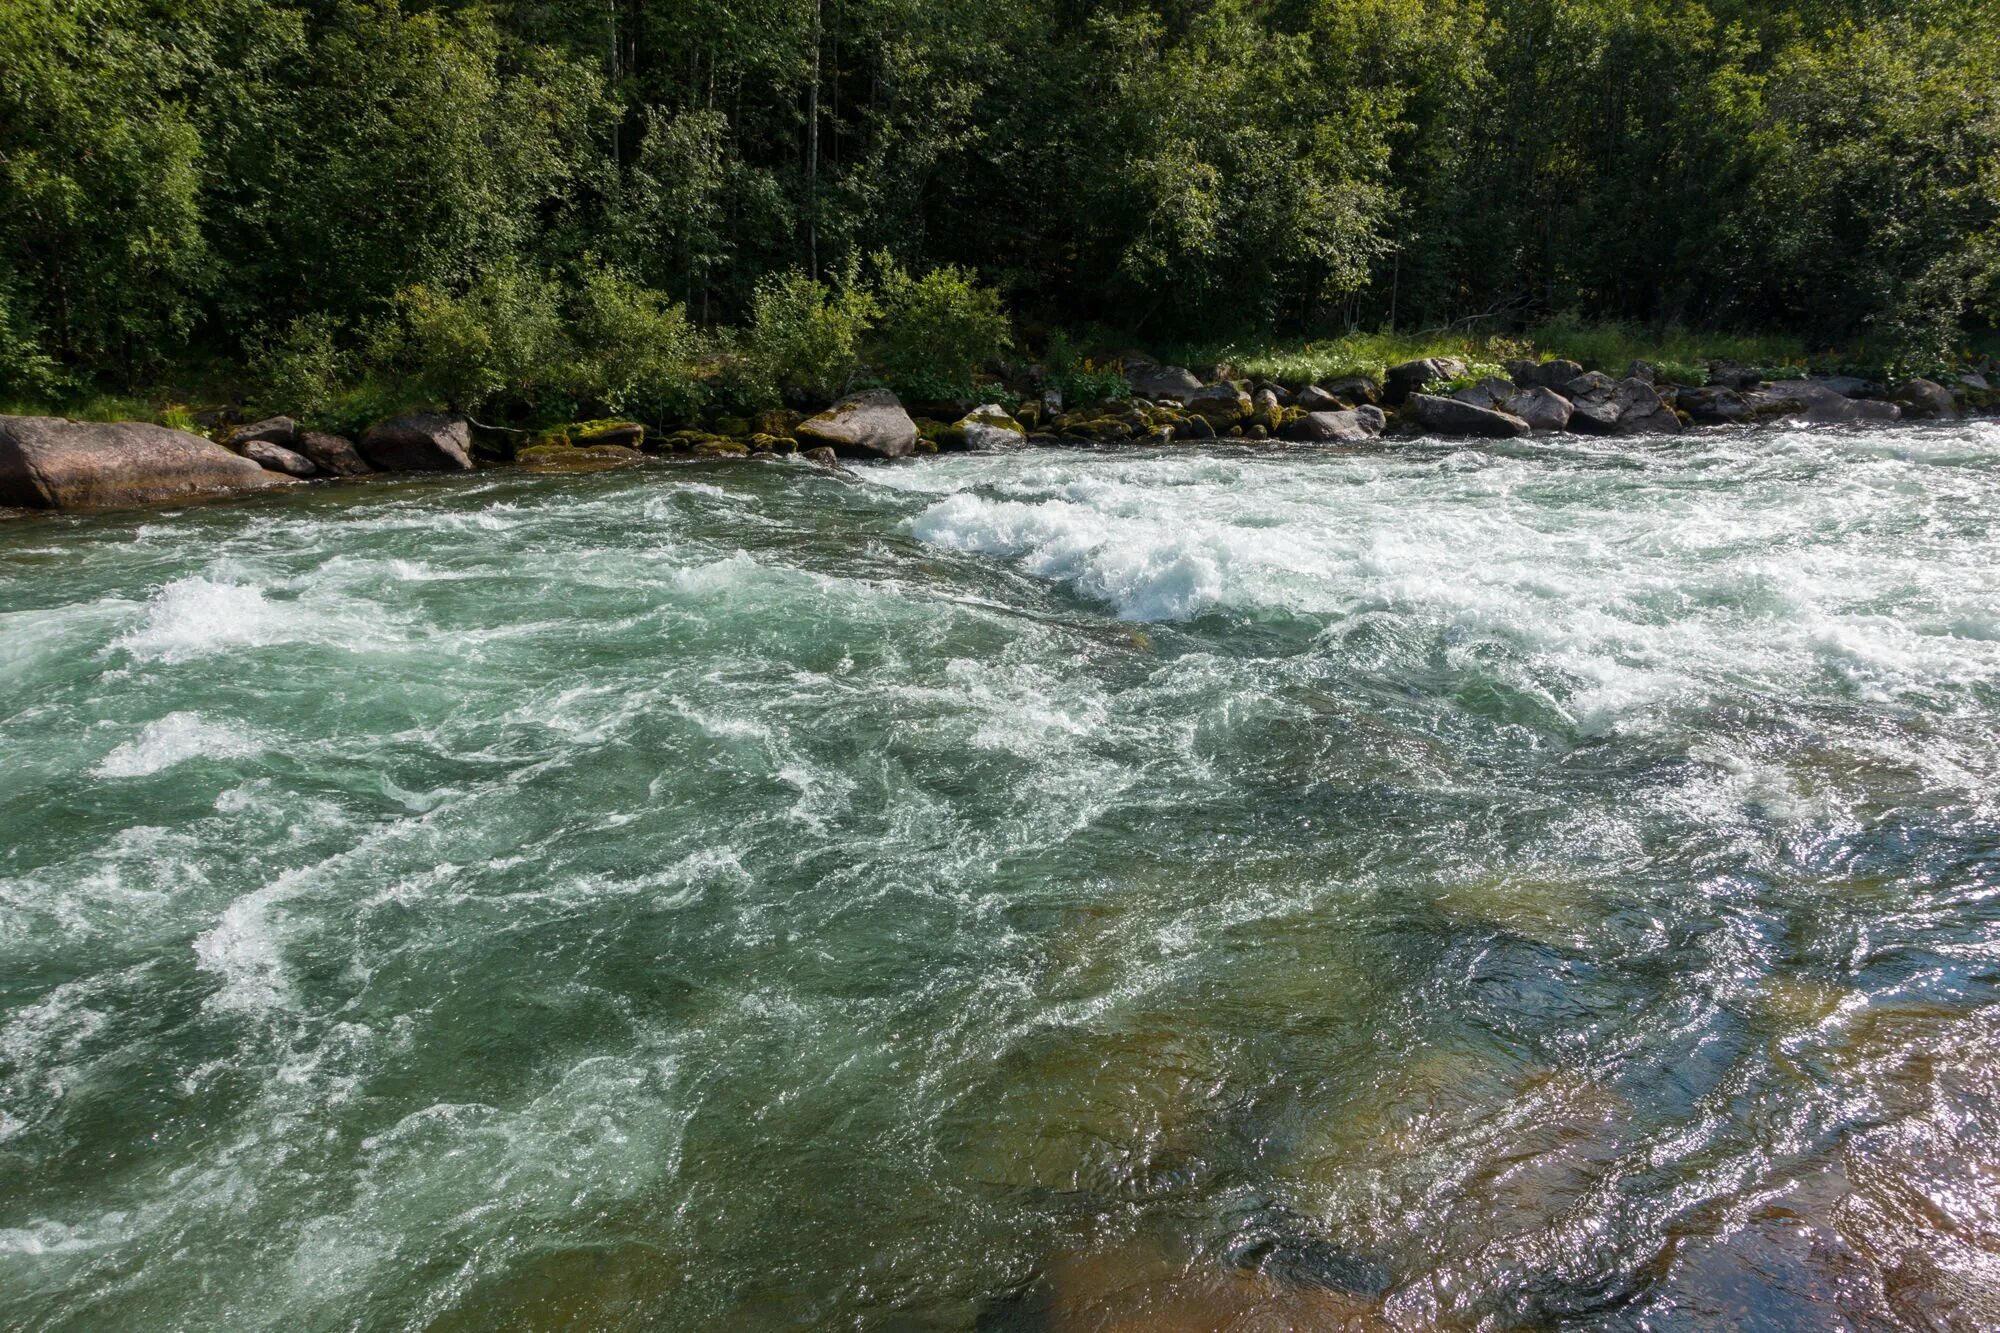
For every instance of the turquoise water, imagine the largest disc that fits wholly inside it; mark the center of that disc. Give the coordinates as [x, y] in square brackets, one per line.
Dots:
[1535, 886]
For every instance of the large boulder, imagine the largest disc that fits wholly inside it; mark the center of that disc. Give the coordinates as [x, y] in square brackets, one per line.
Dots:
[1358, 426]
[1923, 398]
[1542, 409]
[1641, 410]
[277, 458]
[50, 463]
[1811, 402]
[1449, 416]
[271, 430]
[1149, 380]
[420, 442]
[1412, 376]
[986, 427]
[1315, 399]
[1223, 404]
[334, 455]
[1600, 405]
[871, 424]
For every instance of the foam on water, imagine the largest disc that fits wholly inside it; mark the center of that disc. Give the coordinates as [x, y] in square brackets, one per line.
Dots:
[1550, 878]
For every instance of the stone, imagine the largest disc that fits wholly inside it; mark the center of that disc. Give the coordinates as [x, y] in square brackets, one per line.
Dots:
[1149, 380]
[1265, 410]
[1353, 390]
[1593, 400]
[1222, 404]
[1732, 375]
[615, 434]
[983, 428]
[1315, 399]
[1449, 416]
[1976, 382]
[1412, 376]
[51, 463]
[334, 455]
[1541, 408]
[1714, 406]
[1489, 393]
[419, 442]
[577, 458]
[871, 424]
[1641, 410]
[277, 458]
[271, 430]
[1811, 402]
[1356, 426]
[1643, 371]
[821, 456]
[1194, 428]
[1542, 374]
[1920, 397]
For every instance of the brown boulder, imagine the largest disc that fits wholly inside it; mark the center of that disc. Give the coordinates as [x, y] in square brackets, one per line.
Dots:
[51, 463]
[420, 442]
[332, 454]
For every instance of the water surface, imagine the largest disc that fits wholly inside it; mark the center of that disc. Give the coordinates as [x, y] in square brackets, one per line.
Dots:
[1530, 886]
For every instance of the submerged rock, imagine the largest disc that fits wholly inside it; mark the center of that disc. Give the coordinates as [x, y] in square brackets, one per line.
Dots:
[52, 463]
[863, 425]
[1448, 416]
[420, 442]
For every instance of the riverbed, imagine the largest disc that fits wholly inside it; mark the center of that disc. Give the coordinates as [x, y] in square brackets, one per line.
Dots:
[1553, 884]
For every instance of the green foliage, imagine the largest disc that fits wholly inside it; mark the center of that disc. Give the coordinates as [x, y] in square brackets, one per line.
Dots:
[1082, 379]
[301, 369]
[632, 351]
[936, 330]
[806, 334]
[503, 333]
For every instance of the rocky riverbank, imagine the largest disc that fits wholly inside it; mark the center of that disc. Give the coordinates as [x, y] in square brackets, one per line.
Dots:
[52, 463]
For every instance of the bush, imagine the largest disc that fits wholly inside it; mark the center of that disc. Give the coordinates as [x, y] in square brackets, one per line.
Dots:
[633, 352]
[1080, 379]
[805, 334]
[936, 330]
[300, 370]
[503, 335]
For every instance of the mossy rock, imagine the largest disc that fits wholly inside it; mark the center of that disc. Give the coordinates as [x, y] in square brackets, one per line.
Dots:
[735, 428]
[714, 448]
[774, 444]
[577, 458]
[928, 428]
[925, 446]
[779, 422]
[603, 431]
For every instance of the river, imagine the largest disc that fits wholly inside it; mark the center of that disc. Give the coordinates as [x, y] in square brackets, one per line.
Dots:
[1511, 887]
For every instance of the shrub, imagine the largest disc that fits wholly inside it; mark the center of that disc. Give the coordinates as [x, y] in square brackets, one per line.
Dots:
[936, 330]
[633, 351]
[1079, 378]
[501, 336]
[301, 369]
[805, 334]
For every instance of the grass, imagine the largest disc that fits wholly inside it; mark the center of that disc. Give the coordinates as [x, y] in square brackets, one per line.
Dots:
[1607, 347]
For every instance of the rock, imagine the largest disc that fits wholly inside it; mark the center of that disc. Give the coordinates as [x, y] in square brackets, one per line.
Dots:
[1488, 393]
[420, 442]
[1543, 374]
[1412, 376]
[332, 454]
[614, 434]
[1449, 416]
[51, 463]
[1265, 411]
[1732, 375]
[1714, 406]
[1353, 390]
[271, 430]
[987, 427]
[872, 424]
[1052, 404]
[1810, 401]
[1541, 408]
[577, 458]
[277, 458]
[1641, 410]
[1976, 382]
[1195, 428]
[1315, 399]
[1357, 426]
[1923, 398]
[821, 456]
[1593, 399]
[1149, 380]
[1222, 404]
[1643, 371]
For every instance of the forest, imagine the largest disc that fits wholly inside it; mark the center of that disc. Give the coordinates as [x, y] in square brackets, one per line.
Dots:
[550, 207]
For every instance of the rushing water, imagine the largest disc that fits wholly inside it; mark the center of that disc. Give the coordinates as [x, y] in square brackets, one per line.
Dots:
[1505, 887]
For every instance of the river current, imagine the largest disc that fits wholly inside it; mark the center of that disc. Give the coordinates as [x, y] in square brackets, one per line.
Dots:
[1539, 886]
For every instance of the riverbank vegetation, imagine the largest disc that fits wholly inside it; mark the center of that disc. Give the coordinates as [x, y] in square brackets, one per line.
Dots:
[565, 209]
